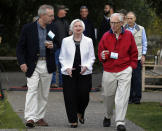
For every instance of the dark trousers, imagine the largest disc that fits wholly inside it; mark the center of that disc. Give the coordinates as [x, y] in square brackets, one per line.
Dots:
[76, 94]
[136, 84]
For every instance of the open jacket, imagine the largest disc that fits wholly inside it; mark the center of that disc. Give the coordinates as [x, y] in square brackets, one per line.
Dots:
[67, 54]
[28, 48]
[126, 48]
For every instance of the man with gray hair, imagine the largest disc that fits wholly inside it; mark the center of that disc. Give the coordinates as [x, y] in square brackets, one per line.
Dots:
[118, 52]
[141, 42]
[35, 56]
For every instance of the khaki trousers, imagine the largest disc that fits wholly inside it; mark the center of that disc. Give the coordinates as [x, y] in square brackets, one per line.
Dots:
[116, 89]
[37, 95]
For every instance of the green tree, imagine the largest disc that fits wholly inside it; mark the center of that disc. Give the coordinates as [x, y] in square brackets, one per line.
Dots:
[156, 5]
[15, 13]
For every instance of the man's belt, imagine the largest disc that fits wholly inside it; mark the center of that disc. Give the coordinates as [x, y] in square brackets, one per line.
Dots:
[41, 58]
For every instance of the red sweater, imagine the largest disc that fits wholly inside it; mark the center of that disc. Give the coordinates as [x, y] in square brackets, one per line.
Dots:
[126, 48]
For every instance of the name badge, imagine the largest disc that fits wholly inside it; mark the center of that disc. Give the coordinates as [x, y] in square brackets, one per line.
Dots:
[114, 55]
[51, 34]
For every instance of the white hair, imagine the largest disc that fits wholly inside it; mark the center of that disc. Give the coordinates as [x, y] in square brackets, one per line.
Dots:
[74, 21]
[43, 9]
[117, 14]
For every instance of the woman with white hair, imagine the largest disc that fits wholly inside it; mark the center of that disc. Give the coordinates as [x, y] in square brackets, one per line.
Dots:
[76, 58]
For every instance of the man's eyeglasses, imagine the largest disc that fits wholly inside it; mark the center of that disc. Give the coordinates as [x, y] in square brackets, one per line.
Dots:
[50, 15]
[114, 23]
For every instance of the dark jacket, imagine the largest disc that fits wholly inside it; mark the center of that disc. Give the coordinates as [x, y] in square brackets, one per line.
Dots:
[89, 29]
[105, 26]
[28, 49]
[61, 26]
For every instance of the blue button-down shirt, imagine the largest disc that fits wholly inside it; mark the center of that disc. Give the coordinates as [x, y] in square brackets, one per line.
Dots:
[42, 37]
[144, 39]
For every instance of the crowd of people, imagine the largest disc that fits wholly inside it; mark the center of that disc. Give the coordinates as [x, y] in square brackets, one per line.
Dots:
[51, 44]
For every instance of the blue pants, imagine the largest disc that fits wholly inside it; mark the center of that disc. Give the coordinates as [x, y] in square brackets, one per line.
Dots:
[136, 84]
[57, 53]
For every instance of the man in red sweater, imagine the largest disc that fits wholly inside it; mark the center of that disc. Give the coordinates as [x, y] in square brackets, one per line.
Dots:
[118, 52]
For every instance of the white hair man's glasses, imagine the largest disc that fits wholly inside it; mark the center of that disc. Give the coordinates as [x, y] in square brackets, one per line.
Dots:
[115, 23]
[50, 15]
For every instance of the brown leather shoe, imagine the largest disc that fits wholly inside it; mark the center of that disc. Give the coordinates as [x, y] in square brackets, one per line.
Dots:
[41, 122]
[30, 124]
[54, 86]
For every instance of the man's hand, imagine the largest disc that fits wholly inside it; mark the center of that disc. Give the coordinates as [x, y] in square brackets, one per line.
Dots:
[50, 46]
[104, 54]
[142, 59]
[83, 69]
[24, 68]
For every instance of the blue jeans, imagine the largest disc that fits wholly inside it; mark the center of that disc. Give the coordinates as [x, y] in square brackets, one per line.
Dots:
[58, 65]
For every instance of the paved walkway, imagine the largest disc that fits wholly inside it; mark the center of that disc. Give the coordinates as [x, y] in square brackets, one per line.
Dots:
[56, 115]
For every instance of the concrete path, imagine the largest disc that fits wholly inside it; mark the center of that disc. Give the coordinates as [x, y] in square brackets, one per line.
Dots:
[56, 115]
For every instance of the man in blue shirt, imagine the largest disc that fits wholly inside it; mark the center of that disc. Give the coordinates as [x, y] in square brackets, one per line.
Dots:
[141, 42]
[35, 55]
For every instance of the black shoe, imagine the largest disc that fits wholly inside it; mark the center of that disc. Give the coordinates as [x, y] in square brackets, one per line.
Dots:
[121, 128]
[137, 102]
[74, 126]
[81, 121]
[81, 117]
[30, 124]
[106, 122]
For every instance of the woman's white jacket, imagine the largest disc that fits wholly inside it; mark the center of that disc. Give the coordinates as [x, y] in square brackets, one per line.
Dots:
[67, 54]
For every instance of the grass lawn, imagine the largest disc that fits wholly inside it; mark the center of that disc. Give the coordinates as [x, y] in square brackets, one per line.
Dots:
[8, 118]
[147, 115]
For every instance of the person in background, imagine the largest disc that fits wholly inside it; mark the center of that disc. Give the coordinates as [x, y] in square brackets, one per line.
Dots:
[1, 32]
[35, 55]
[118, 52]
[141, 42]
[35, 18]
[62, 29]
[123, 12]
[76, 58]
[0, 39]
[105, 25]
[89, 28]
[1, 90]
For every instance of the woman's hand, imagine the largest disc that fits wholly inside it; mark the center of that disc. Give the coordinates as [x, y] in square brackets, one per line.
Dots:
[83, 69]
[69, 71]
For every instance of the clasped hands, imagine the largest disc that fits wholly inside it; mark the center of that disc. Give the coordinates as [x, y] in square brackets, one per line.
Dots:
[69, 70]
